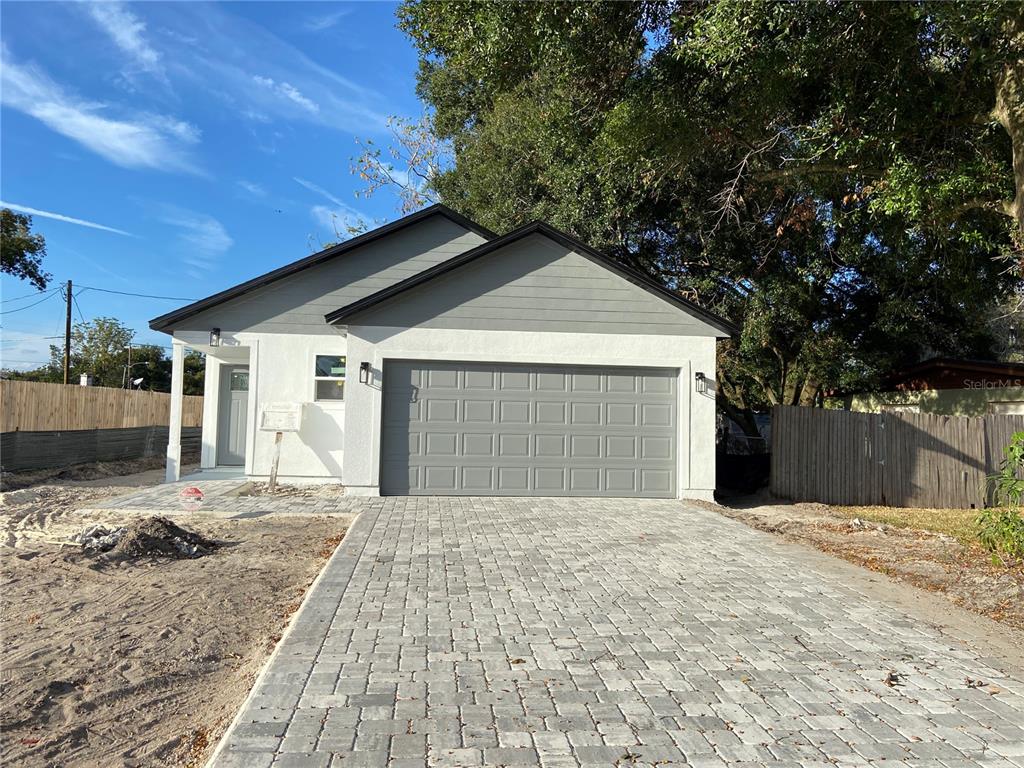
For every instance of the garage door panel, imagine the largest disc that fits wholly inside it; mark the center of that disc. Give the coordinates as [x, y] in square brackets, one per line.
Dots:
[478, 411]
[585, 382]
[512, 446]
[585, 481]
[514, 412]
[514, 380]
[478, 444]
[549, 481]
[550, 413]
[620, 447]
[656, 447]
[656, 480]
[478, 479]
[549, 446]
[442, 410]
[440, 444]
[586, 413]
[622, 480]
[528, 430]
[513, 479]
[479, 380]
[439, 479]
[656, 415]
[585, 446]
[550, 382]
[620, 414]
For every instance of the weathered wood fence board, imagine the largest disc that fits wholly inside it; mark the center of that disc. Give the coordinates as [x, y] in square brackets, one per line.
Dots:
[32, 406]
[905, 459]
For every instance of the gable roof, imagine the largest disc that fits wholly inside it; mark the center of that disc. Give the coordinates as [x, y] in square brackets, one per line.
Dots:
[537, 227]
[167, 321]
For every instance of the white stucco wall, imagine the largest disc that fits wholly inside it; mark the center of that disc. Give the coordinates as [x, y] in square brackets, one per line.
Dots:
[375, 345]
[280, 371]
[340, 442]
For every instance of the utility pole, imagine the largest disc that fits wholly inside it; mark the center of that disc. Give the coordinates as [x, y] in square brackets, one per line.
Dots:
[67, 337]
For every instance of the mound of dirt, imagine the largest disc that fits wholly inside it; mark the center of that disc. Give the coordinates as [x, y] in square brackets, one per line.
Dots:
[146, 537]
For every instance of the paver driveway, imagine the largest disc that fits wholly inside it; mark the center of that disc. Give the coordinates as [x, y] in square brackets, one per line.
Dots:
[598, 632]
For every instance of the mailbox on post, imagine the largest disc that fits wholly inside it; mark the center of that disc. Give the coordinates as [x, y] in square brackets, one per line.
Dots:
[279, 418]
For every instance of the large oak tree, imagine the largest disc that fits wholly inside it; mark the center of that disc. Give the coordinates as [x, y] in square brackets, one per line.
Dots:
[842, 179]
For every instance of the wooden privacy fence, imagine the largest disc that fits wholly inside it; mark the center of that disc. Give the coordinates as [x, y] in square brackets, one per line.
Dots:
[902, 460]
[32, 406]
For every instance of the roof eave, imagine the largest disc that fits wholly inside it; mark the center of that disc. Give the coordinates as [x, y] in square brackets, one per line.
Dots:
[166, 321]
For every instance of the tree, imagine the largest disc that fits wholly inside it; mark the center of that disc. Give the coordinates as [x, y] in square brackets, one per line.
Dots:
[22, 251]
[832, 176]
[100, 348]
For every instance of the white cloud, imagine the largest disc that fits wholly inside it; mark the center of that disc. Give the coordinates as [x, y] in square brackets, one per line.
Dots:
[128, 33]
[261, 76]
[201, 236]
[254, 189]
[139, 141]
[62, 217]
[322, 192]
[287, 91]
[325, 21]
[337, 221]
[337, 218]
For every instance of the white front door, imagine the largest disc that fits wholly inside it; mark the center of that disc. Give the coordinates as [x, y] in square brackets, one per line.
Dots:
[232, 418]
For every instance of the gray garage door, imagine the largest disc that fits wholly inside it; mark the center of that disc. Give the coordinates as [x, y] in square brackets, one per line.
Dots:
[514, 430]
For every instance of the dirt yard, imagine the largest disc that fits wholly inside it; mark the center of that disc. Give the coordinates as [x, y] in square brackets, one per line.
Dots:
[138, 661]
[931, 549]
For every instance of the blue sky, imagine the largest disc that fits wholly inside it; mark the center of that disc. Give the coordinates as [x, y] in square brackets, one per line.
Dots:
[182, 148]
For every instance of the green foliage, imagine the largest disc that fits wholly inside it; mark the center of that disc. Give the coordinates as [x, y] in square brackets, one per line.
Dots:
[1007, 484]
[828, 175]
[1001, 528]
[101, 348]
[22, 251]
[1001, 532]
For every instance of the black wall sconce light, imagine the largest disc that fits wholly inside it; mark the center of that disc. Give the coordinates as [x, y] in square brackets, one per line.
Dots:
[215, 337]
[700, 382]
[364, 373]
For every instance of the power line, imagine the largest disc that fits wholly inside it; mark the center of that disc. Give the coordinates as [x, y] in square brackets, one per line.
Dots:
[48, 296]
[30, 295]
[140, 295]
[81, 317]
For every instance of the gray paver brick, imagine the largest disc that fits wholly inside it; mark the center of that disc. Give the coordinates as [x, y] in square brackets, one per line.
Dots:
[569, 633]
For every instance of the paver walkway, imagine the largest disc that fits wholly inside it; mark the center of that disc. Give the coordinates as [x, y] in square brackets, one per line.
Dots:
[504, 632]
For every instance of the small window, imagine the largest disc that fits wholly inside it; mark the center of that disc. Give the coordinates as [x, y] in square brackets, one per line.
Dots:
[330, 377]
[239, 381]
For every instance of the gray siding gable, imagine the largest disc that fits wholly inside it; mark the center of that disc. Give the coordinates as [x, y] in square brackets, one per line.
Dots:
[298, 303]
[534, 284]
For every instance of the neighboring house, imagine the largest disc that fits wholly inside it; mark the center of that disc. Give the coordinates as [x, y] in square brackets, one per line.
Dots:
[947, 386]
[431, 356]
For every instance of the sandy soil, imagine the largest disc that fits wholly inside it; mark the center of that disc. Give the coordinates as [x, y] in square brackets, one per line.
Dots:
[932, 561]
[138, 662]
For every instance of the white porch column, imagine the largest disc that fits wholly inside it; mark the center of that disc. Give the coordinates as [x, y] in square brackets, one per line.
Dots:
[174, 431]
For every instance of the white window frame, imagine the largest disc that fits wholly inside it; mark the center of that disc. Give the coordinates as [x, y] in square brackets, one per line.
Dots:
[317, 378]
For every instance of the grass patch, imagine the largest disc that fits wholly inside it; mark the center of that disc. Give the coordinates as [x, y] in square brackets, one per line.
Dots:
[958, 523]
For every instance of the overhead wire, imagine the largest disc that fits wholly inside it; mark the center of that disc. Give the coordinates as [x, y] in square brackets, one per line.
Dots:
[129, 293]
[48, 296]
[30, 295]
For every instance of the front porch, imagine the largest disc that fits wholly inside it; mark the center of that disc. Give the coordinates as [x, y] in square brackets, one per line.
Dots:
[227, 406]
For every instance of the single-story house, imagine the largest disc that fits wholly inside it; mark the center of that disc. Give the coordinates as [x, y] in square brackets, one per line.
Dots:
[946, 386]
[433, 357]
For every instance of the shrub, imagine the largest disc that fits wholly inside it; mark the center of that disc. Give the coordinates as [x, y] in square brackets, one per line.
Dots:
[1001, 532]
[1001, 528]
